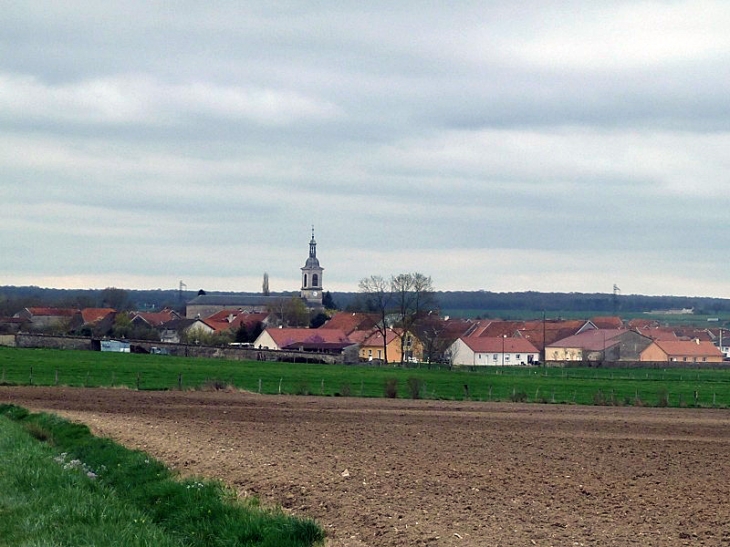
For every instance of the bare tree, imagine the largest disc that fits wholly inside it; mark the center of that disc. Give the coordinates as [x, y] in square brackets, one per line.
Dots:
[407, 296]
[414, 295]
[377, 298]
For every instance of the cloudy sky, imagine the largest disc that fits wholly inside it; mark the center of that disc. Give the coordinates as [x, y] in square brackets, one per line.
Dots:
[498, 145]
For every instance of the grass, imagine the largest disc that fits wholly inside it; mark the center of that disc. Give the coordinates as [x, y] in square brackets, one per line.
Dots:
[653, 387]
[77, 489]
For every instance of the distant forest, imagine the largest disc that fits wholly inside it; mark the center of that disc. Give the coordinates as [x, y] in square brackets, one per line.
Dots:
[471, 303]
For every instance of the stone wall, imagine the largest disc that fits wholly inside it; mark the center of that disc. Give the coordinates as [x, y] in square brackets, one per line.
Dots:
[181, 350]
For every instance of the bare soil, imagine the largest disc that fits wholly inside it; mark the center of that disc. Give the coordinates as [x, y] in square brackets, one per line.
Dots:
[414, 473]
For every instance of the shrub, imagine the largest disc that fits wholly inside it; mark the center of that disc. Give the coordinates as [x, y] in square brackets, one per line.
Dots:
[518, 396]
[391, 388]
[346, 390]
[302, 388]
[415, 387]
[663, 398]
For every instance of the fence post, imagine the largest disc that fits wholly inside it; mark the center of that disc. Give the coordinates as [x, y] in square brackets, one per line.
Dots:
[56, 378]
[138, 381]
[113, 378]
[280, 380]
[321, 387]
[31, 376]
[179, 381]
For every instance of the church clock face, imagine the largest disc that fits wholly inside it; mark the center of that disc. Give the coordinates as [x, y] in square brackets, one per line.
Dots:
[314, 293]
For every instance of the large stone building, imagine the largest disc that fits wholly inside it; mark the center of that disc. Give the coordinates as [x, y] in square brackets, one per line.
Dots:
[205, 305]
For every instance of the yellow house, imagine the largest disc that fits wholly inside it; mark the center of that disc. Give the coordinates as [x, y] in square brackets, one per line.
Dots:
[371, 345]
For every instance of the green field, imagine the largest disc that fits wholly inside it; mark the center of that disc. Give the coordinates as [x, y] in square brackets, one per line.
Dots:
[652, 387]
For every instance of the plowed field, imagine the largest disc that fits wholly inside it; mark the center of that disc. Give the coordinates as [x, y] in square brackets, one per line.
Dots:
[406, 473]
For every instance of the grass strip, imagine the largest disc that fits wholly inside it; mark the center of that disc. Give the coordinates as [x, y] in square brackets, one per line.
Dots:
[188, 512]
[46, 499]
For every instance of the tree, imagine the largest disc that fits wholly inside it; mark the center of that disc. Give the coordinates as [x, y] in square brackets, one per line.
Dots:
[265, 286]
[405, 296]
[290, 312]
[377, 298]
[328, 302]
[118, 299]
[414, 296]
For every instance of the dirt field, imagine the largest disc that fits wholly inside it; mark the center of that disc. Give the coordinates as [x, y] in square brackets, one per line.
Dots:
[395, 472]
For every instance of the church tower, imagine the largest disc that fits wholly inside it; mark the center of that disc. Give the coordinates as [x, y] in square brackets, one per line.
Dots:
[311, 290]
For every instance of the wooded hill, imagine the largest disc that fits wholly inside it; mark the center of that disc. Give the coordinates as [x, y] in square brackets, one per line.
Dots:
[471, 303]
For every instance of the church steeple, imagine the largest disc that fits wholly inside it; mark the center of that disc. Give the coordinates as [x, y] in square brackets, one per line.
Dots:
[312, 246]
[312, 276]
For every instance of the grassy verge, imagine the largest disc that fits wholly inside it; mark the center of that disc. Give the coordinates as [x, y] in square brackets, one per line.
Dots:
[651, 387]
[77, 489]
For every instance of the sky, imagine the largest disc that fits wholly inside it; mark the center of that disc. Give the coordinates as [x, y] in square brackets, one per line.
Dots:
[538, 145]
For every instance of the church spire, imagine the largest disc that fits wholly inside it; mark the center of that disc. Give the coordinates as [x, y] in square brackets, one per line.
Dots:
[313, 245]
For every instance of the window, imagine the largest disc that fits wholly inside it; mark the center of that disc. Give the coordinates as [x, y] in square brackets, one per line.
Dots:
[315, 279]
[305, 280]
[495, 357]
[370, 353]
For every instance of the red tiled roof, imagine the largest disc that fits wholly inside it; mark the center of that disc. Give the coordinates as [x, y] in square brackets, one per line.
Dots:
[233, 319]
[608, 322]
[157, 318]
[287, 337]
[499, 345]
[594, 339]
[94, 315]
[376, 338]
[349, 322]
[688, 348]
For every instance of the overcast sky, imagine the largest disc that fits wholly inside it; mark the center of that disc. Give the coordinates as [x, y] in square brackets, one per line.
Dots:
[498, 145]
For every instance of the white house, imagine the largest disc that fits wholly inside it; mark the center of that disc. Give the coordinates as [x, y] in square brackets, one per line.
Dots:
[493, 351]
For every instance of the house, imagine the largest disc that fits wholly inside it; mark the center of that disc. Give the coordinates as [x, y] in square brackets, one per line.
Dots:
[153, 320]
[39, 318]
[179, 330]
[371, 345]
[598, 345]
[542, 333]
[294, 339]
[682, 351]
[231, 320]
[97, 321]
[492, 351]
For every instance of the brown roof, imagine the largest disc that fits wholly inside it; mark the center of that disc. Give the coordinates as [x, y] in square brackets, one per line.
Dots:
[349, 322]
[541, 333]
[157, 318]
[94, 315]
[688, 348]
[594, 339]
[287, 337]
[232, 319]
[499, 344]
[608, 322]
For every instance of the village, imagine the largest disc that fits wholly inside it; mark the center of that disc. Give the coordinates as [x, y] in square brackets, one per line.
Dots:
[262, 323]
